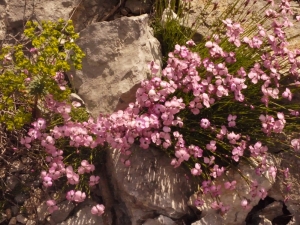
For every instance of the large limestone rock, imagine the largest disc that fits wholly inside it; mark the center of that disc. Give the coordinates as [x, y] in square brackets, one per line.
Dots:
[150, 185]
[17, 12]
[117, 58]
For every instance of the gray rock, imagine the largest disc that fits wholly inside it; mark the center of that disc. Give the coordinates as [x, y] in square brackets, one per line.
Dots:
[21, 219]
[24, 178]
[272, 210]
[165, 220]
[209, 220]
[150, 184]
[64, 210]
[138, 7]
[91, 11]
[161, 220]
[264, 221]
[31, 222]
[12, 182]
[26, 160]
[16, 166]
[279, 190]
[15, 210]
[20, 198]
[13, 221]
[3, 217]
[75, 97]
[236, 214]
[84, 216]
[117, 58]
[42, 212]
[18, 11]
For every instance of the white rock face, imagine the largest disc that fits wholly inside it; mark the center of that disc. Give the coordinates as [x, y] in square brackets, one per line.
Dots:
[17, 11]
[150, 184]
[236, 215]
[117, 58]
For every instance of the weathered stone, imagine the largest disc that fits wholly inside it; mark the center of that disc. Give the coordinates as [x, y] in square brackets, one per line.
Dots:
[272, 210]
[20, 198]
[117, 58]
[12, 182]
[31, 222]
[2, 217]
[279, 190]
[15, 210]
[161, 220]
[75, 97]
[236, 214]
[165, 220]
[16, 166]
[8, 213]
[64, 210]
[91, 11]
[17, 12]
[138, 7]
[21, 219]
[13, 221]
[33, 202]
[150, 184]
[2, 19]
[42, 212]
[209, 219]
[264, 221]
[84, 216]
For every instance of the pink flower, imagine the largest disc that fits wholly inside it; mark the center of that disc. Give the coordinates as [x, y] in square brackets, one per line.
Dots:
[73, 178]
[51, 206]
[237, 152]
[232, 137]
[244, 204]
[85, 167]
[70, 195]
[258, 149]
[296, 144]
[77, 196]
[209, 161]
[190, 43]
[231, 120]
[94, 180]
[273, 171]
[287, 94]
[230, 185]
[211, 146]
[204, 123]
[197, 170]
[153, 67]
[47, 181]
[98, 210]
[40, 124]
[198, 202]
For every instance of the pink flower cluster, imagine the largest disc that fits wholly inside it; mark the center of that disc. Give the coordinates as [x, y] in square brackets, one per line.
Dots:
[161, 115]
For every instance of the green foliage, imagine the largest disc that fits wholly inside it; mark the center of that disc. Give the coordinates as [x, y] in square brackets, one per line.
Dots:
[170, 32]
[28, 69]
